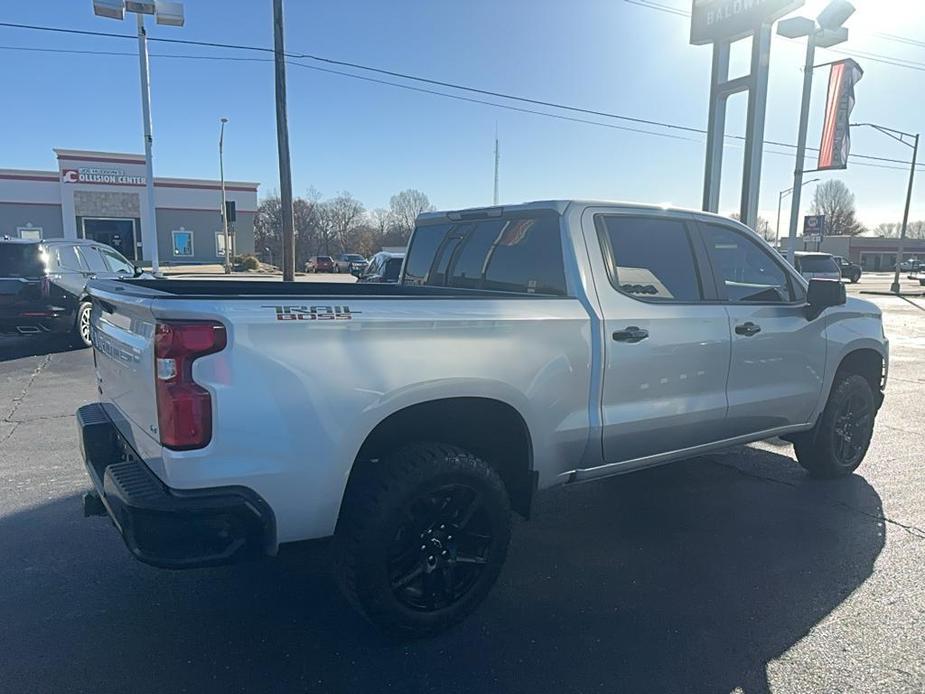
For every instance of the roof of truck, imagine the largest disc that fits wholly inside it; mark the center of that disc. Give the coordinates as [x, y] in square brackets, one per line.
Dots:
[558, 206]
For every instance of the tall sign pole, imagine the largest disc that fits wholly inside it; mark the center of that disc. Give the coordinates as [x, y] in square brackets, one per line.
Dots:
[722, 22]
[150, 223]
[801, 147]
[282, 140]
[494, 197]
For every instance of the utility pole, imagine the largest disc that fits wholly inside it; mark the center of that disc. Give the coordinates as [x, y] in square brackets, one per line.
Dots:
[494, 198]
[282, 140]
[902, 234]
[221, 169]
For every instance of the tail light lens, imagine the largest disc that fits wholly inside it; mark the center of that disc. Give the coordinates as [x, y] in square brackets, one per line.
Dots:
[184, 408]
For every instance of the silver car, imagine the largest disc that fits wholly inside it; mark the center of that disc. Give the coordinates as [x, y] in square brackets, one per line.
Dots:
[819, 266]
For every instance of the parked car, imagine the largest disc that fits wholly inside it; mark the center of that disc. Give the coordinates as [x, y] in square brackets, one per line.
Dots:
[384, 267]
[526, 346]
[912, 265]
[820, 266]
[43, 284]
[320, 263]
[849, 271]
[350, 262]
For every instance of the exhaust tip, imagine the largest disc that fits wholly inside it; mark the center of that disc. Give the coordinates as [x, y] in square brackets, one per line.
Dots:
[28, 329]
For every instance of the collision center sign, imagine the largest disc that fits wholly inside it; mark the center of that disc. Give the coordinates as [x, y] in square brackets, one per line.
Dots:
[728, 20]
[102, 176]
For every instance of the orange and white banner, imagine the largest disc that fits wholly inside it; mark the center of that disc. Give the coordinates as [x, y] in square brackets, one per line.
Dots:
[836, 138]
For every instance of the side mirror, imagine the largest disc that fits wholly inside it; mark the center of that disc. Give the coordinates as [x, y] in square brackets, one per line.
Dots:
[139, 271]
[822, 294]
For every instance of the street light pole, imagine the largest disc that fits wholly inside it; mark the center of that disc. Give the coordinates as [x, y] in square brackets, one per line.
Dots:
[150, 224]
[902, 234]
[221, 168]
[801, 146]
[780, 197]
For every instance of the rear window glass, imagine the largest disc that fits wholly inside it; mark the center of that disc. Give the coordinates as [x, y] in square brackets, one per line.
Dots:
[68, 259]
[519, 254]
[93, 259]
[20, 260]
[817, 263]
[652, 258]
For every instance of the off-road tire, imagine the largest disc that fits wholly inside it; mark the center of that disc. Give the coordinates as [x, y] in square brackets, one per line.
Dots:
[824, 451]
[382, 499]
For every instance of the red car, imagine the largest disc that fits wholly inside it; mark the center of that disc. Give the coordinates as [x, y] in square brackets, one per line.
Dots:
[320, 263]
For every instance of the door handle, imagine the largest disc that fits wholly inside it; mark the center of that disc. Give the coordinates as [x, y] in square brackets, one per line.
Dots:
[630, 334]
[748, 329]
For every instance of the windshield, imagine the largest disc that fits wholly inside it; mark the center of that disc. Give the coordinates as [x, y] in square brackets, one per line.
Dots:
[354, 258]
[20, 260]
[817, 263]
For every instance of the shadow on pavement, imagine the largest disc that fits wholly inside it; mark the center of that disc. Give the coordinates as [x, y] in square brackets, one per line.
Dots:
[684, 578]
[17, 347]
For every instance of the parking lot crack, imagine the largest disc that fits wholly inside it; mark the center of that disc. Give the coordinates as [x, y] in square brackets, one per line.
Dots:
[17, 401]
[912, 530]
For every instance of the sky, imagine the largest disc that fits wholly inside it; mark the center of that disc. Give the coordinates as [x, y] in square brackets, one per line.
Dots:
[374, 140]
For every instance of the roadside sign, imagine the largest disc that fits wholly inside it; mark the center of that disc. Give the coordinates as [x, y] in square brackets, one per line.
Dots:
[728, 20]
[814, 224]
[812, 238]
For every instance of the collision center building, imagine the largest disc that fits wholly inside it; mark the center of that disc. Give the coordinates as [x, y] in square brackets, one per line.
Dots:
[101, 196]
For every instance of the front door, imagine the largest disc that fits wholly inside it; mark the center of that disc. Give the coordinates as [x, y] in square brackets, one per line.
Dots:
[117, 233]
[666, 351]
[778, 355]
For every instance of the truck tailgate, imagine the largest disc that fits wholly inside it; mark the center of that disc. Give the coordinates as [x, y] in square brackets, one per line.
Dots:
[123, 344]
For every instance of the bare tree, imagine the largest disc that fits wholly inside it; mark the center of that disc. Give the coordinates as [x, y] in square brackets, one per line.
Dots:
[342, 213]
[380, 219]
[268, 223]
[834, 200]
[405, 207]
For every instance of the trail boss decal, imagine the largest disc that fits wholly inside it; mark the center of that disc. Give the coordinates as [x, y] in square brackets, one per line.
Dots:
[313, 312]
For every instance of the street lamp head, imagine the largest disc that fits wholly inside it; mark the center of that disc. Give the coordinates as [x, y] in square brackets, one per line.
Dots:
[796, 27]
[114, 9]
[827, 38]
[835, 14]
[140, 6]
[223, 119]
[169, 13]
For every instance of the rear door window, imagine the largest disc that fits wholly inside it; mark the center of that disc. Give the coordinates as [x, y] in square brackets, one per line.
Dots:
[68, 260]
[93, 259]
[651, 257]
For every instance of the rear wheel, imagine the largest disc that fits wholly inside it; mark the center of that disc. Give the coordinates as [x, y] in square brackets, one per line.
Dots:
[82, 325]
[842, 435]
[421, 538]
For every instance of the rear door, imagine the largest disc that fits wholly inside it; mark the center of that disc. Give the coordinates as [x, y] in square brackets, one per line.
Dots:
[778, 356]
[666, 346]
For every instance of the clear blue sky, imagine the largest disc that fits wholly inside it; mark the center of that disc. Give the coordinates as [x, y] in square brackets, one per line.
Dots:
[374, 140]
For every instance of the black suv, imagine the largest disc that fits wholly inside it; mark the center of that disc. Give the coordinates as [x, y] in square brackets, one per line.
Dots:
[849, 271]
[43, 284]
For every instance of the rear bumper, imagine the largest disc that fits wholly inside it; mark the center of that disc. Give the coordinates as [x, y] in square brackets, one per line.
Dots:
[27, 325]
[166, 527]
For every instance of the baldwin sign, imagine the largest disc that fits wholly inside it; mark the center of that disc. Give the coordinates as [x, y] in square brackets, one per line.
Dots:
[729, 20]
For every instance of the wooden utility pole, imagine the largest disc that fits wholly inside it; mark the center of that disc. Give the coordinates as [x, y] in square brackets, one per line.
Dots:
[282, 140]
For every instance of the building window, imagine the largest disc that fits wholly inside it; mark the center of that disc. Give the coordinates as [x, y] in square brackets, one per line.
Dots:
[220, 244]
[182, 242]
[29, 232]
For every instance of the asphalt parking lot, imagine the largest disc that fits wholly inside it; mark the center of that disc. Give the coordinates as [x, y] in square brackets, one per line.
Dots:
[728, 573]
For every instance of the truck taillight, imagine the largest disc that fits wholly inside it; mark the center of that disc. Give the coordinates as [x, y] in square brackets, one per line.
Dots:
[184, 408]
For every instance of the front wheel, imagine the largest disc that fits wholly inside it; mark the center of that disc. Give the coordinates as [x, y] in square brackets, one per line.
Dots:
[839, 442]
[855, 278]
[421, 538]
[82, 325]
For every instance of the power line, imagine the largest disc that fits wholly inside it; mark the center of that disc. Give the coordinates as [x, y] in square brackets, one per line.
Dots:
[416, 78]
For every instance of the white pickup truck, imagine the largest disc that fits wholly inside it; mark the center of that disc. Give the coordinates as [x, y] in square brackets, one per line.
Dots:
[526, 346]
